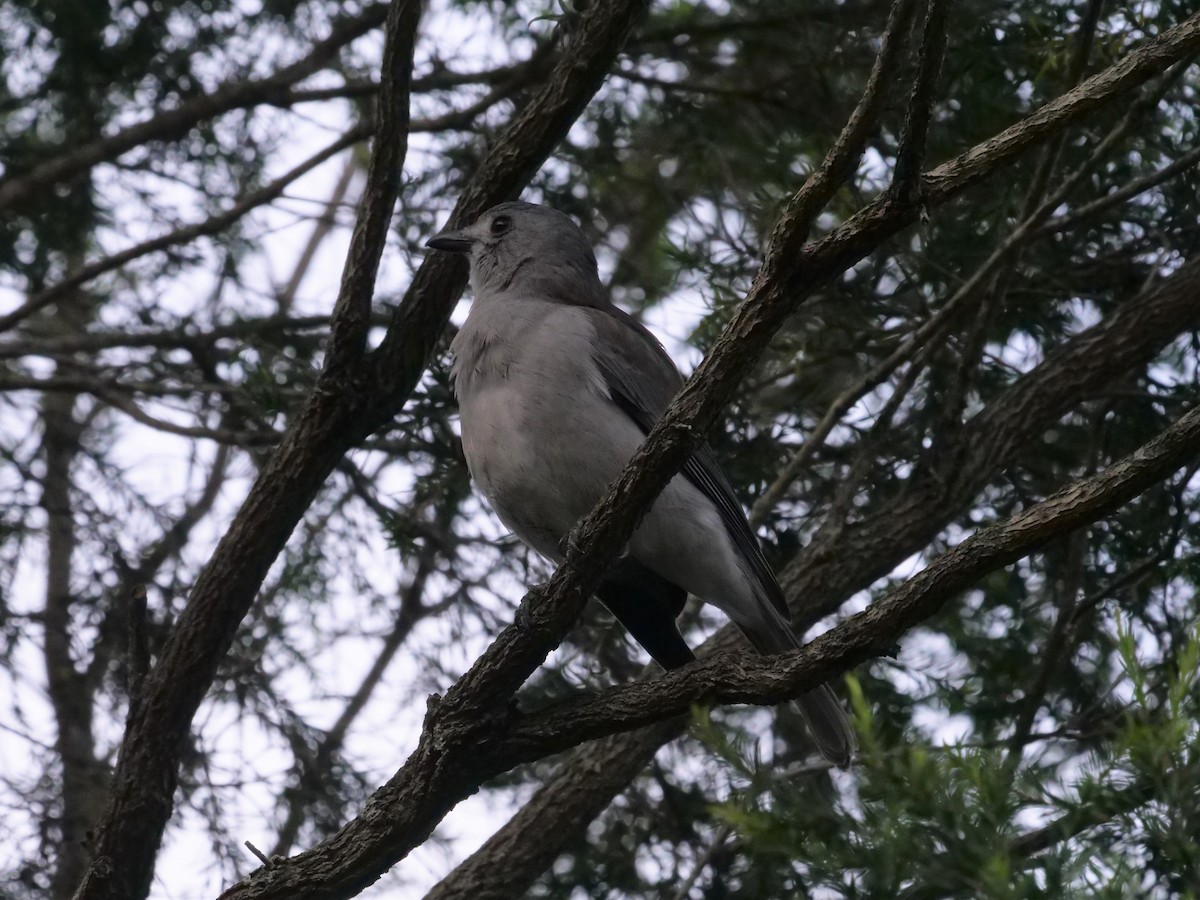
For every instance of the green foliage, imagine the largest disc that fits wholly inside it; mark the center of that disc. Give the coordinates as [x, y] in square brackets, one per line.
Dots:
[942, 821]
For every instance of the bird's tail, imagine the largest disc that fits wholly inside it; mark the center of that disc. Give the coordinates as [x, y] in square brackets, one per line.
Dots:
[822, 710]
[828, 725]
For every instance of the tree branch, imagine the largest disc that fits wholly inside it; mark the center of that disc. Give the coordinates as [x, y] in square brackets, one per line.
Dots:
[173, 124]
[1153, 57]
[847, 149]
[185, 235]
[556, 816]
[745, 678]
[906, 178]
[182, 335]
[156, 729]
[351, 317]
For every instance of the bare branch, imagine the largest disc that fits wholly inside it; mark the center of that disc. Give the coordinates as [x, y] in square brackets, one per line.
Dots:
[182, 335]
[175, 123]
[558, 815]
[185, 235]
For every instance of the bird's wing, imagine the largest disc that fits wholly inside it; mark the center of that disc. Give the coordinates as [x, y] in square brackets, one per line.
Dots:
[647, 605]
[643, 380]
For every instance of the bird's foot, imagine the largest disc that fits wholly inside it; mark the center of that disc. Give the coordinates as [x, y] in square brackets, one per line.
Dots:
[571, 545]
[523, 618]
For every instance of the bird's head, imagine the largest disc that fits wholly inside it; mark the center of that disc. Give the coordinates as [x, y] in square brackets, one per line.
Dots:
[522, 246]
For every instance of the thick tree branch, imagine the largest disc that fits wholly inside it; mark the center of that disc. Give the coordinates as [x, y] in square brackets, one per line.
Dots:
[81, 790]
[746, 678]
[556, 816]
[1153, 57]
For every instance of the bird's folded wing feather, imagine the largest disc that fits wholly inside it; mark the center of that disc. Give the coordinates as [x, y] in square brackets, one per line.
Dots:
[642, 381]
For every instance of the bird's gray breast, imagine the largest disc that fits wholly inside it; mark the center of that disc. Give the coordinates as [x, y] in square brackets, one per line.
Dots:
[540, 433]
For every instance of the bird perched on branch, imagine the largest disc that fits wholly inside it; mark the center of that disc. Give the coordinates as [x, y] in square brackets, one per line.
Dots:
[557, 388]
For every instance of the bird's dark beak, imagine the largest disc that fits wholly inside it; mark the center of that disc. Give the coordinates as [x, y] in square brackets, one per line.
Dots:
[451, 242]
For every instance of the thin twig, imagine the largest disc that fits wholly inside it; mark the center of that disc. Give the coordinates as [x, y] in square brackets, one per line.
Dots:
[262, 857]
[1128, 191]
[718, 841]
[185, 235]
[171, 124]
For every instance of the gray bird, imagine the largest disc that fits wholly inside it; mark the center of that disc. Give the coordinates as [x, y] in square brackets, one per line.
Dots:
[557, 388]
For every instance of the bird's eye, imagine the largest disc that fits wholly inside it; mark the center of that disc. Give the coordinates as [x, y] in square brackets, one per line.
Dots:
[501, 224]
